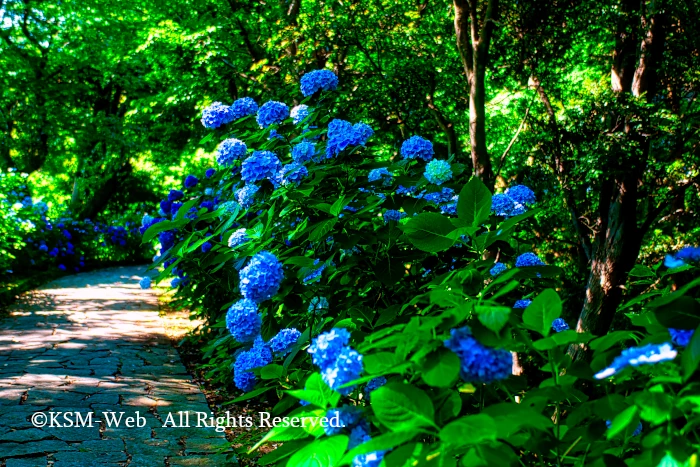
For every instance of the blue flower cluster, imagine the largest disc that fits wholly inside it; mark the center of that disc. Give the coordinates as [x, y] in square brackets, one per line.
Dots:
[238, 237]
[303, 152]
[314, 275]
[243, 320]
[513, 202]
[440, 197]
[417, 147]
[246, 195]
[259, 166]
[292, 173]
[243, 107]
[191, 181]
[318, 305]
[381, 174]
[339, 363]
[299, 113]
[522, 303]
[393, 215]
[560, 325]
[145, 283]
[348, 417]
[497, 269]
[479, 363]
[343, 134]
[528, 259]
[689, 254]
[372, 385]
[216, 115]
[635, 356]
[283, 342]
[261, 278]
[272, 112]
[318, 80]
[230, 150]
[258, 356]
[681, 337]
[438, 172]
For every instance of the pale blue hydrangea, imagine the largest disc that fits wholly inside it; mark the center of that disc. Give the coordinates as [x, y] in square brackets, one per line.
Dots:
[216, 115]
[299, 113]
[479, 363]
[259, 166]
[528, 259]
[318, 305]
[318, 80]
[243, 107]
[497, 269]
[417, 147]
[348, 417]
[230, 150]
[560, 325]
[438, 171]
[261, 278]
[243, 320]
[246, 195]
[381, 174]
[326, 348]
[635, 356]
[283, 342]
[272, 112]
[346, 368]
[303, 152]
[238, 237]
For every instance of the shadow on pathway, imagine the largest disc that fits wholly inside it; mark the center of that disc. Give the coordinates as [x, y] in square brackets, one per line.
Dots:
[91, 344]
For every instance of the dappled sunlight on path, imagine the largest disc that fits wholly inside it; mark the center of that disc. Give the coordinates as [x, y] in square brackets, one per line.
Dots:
[94, 343]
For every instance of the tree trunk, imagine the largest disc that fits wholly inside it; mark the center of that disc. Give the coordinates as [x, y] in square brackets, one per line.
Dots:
[473, 41]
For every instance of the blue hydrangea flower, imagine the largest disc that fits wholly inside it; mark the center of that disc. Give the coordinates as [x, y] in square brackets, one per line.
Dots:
[243, 320]
[259, 166]
[230, 150]
[283, 342]
[502, 205]
[681, 337]
[303, 152]
[275, 135]
[175, 282]
[145, 283]
[315, 274]
[522, 303]
[326, 348]
[358, 435]
[449, 208]
[299, 113]
[635, 356]
[258, 356]
[381, 174]
[166, 239]
[346, 368]
[528, 259]
[272, 112]
[191, 181]
[690, 254]
[417, 147]
[210, 173]
[62, 267]
[206, 246]
[318, 80]
[521, 194]
[560, 325]
[175, 195]
[497, 269]
[439, 197]
[372, 385]
[318, 305]
[371, 459]
[342, 134]
[246, 195]
[243, 107]
[406, 191]
[216, 115]
[175, 208]
[479, 363]
[438, 171]
[292, 173]
[342, 419]
[261, 278]
[393, 215]
[238, 237]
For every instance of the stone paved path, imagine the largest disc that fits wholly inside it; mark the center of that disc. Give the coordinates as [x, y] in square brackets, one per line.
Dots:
[94, 343]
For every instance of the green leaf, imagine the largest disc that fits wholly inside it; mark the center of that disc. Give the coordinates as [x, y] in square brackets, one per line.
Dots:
[691, 356]
[322, 229]
[272, 371]
[324, 452]
[317, 392]
[338, 206]
[642, 271]
[402, 407]
[429, 232]
[493, 317]
[472, 429]
[562, 338]
[382, 442]
[474, 203]
[378, 363]
[250, 395]
[622, 421]
[602, 344]
[682, 313]
[441, 368]
[544, 309]
[655, 406]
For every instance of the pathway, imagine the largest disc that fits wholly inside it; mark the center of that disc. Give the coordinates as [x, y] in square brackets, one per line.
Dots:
[94, 343]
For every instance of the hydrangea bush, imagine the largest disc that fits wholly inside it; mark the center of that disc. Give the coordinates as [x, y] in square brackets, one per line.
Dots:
[326, 274]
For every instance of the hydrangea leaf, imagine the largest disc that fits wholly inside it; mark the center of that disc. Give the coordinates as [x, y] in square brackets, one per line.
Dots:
[322, 229]
[429, 232]
[440, 368]
[380, 362]
[402, 407]
[493, 317]
[544, 309]
[691, 355]
[622, 420]
[682, 313]
[562, 338]
[474, 204]
[317, 392]
[472, 429]
[324, 451]
[382, 442]
[655, 406]
[272, 371]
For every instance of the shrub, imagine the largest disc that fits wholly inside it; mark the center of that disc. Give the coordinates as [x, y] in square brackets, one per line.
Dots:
[361, 275]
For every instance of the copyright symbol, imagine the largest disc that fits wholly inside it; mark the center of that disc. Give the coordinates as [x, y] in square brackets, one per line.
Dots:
[39, 419]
